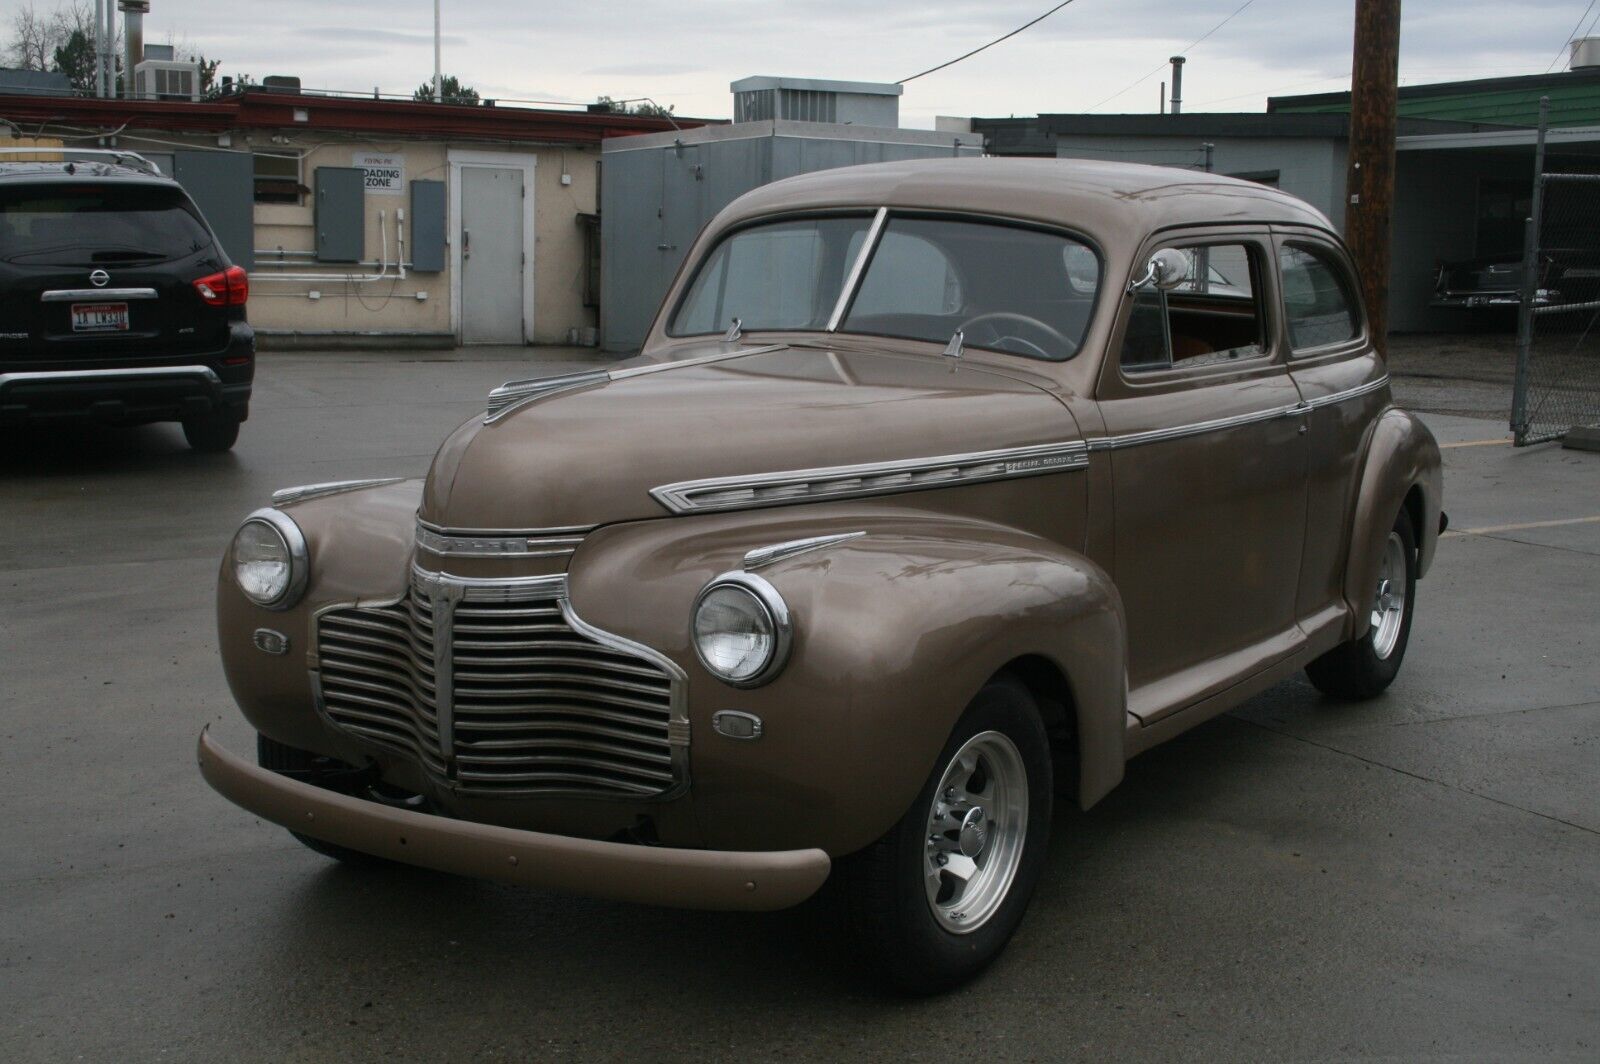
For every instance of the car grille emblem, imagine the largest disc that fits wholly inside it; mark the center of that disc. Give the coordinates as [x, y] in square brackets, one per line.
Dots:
[99, 278]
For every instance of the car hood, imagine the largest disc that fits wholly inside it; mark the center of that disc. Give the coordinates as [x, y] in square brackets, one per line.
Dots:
[590, 453]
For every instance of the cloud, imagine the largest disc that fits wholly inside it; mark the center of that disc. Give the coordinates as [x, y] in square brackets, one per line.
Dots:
[685, 52]
[643, 70]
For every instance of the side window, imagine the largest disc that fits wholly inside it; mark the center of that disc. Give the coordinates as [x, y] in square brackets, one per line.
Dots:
[1213, 316]
[1317, 300]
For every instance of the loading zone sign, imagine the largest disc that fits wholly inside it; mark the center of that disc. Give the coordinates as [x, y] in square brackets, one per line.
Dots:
[385, 174]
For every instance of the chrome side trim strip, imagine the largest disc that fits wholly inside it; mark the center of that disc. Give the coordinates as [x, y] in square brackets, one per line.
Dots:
[874, 478]
[69, 295]
[761, 557]
[885, 478]
[1178, 432]
[1350, 393]
[1197, 428]
[64, 376]
[853, 278]
[283, 496]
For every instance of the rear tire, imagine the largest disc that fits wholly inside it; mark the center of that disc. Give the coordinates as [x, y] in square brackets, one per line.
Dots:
[291, 761]
[214, 433]
[928, 924]
[1362, 668]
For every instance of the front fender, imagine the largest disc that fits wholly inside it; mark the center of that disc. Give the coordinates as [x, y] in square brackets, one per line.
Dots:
[895, 632]
[359, 543]
[1401, 455]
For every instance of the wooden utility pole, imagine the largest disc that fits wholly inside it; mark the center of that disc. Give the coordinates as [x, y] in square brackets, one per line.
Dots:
[1369, 184]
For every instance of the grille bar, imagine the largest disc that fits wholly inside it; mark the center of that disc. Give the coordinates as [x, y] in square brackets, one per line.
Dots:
[516, 695]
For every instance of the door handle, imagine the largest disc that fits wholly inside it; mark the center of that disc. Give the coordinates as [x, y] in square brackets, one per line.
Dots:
[1302, 407]
[466, 244]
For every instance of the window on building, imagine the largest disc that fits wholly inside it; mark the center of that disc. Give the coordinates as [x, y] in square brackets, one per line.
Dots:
[1503, 207]
[1213, 316]
[1318, 304]
[278, 179]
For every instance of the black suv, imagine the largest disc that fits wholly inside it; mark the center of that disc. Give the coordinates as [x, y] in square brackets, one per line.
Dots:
[116, 301]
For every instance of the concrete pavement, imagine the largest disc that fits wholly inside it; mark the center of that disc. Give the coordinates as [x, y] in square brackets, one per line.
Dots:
[1417, 877]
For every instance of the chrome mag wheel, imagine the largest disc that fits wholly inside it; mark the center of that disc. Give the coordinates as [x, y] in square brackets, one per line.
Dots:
[1389, 604]
[977, 825]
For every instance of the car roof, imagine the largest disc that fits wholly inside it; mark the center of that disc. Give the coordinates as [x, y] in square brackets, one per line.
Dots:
[1115, 203]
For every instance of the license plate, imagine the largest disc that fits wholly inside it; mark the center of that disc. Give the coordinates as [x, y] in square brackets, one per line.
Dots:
[99, 317]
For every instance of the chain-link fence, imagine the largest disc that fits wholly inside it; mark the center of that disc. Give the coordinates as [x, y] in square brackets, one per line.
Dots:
[1558, 370]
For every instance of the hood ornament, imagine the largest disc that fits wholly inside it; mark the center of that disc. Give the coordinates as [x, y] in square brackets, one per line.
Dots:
[734, 332]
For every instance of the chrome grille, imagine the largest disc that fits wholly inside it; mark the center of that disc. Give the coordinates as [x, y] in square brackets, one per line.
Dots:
[535, 702]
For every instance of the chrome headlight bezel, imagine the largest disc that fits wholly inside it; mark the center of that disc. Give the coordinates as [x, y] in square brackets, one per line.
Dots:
[769, 604]
[295, 550]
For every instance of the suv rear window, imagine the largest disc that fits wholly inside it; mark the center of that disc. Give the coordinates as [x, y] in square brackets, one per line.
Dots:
[56, 225]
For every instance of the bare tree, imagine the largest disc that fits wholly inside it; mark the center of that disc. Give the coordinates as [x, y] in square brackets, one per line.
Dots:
[32, 43]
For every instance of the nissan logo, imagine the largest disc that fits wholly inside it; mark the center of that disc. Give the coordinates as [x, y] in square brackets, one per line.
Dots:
[99, 278]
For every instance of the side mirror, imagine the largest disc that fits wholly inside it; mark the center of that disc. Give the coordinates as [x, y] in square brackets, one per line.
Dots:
[1166, 270]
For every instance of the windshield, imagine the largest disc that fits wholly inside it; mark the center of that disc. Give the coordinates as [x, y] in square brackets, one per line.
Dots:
[1005, 288]
[57, 225]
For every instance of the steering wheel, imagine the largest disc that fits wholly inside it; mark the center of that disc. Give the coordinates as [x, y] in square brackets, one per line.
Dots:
[992, 317]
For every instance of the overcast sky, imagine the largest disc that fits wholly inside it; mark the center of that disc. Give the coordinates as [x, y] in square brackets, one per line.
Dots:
[686, 52]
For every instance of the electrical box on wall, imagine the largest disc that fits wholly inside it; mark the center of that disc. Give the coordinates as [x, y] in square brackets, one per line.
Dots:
[428, 216]
[341, 214]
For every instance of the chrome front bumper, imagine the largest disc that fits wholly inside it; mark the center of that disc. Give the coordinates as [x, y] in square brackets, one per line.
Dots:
[649, 875]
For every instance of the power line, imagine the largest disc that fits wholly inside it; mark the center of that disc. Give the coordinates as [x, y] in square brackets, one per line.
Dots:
[1576, 26]
[991, 44]
[1181, 51]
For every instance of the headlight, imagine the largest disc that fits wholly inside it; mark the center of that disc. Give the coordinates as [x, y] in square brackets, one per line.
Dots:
[270, 561]
[741, 629]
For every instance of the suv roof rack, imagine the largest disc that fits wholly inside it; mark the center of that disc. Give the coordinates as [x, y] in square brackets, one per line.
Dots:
[131, 159]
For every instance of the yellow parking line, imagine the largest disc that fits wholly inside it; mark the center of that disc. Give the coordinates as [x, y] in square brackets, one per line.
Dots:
[1518, 528]
[1476, 443]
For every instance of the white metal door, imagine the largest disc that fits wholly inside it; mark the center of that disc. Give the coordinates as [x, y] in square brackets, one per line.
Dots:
[491, 255]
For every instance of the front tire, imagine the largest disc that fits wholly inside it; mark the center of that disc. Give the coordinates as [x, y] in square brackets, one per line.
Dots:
[934, 901]
[1362, 668]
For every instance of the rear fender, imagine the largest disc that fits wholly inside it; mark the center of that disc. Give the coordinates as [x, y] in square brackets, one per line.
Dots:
[1402, 455]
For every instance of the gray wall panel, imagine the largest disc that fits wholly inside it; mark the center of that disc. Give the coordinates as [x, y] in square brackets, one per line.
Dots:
[655, 201]
[341, 221]
[428, 221]
[222, 185]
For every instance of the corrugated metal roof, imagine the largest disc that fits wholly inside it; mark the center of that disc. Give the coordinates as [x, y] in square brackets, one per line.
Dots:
[1574, 100]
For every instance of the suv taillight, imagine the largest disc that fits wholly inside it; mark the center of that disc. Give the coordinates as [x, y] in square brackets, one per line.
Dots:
[230, 288]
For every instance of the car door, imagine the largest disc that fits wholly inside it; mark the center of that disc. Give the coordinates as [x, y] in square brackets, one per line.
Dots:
[1206, 437]
[1344, 381]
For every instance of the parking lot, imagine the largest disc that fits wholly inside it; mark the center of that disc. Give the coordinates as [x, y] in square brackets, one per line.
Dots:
[1417, 877]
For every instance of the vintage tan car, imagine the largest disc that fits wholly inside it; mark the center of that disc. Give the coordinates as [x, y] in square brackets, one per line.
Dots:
[940, 488]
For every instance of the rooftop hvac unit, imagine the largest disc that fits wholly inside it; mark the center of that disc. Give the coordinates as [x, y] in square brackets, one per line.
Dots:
[162, 79]
[861, 103]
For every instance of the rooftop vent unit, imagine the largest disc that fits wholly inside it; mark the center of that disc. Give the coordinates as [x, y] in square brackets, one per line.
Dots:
[166, 79]
[857, 103]
[281, 83]
[1586, 53]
